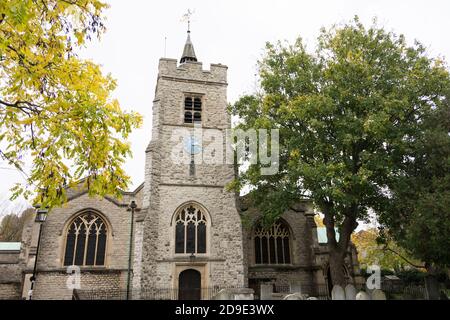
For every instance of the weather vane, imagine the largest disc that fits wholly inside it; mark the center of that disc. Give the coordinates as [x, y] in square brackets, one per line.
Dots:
[187, 18]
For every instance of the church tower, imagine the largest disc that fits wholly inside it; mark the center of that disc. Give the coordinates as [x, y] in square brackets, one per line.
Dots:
[188, 236]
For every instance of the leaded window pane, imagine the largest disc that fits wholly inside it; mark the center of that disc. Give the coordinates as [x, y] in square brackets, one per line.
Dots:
[272, 250]
[188, 117]
[179, 238]
[265, 252]
[190, 238]
[101, 247]
[201, 238]
[70, 246]
[197, 104]
[80, 246]
[287, 256]
[280, 253]
[92, 242]
[258, 250]
[197, 117]
[188, 103]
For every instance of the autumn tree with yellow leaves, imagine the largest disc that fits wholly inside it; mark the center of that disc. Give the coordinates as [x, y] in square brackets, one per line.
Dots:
[56, 108]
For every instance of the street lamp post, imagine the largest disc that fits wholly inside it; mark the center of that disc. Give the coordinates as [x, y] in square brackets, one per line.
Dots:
[132, 208]
[41, 216]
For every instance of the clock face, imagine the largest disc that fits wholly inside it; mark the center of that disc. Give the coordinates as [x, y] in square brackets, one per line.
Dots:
[192, 145]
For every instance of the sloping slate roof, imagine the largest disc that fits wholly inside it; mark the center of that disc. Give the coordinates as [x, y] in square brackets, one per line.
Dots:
[188, 51]
[322, 235]
[10, 246]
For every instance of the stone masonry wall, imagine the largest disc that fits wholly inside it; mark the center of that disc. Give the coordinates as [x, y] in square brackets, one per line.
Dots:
[50, 283]
[53, 285]
[10, 291]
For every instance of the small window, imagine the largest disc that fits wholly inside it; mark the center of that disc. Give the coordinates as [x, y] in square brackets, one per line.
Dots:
[192, 104]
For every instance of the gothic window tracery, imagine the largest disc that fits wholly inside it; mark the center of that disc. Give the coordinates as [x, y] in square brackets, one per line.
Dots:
[190, 230]
[272, 244]
[86, 241]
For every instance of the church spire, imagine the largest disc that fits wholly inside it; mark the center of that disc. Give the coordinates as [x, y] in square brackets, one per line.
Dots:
[188, 51]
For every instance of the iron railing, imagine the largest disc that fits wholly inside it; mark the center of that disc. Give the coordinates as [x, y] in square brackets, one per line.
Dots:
[321, 292]
[149, 294]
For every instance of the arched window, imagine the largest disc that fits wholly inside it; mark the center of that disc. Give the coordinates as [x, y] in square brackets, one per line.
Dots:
[192, 109]
[190, 230]
[86, 241]
[272, 244]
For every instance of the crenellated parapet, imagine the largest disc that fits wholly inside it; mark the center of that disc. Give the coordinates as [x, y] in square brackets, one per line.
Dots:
[192, 71]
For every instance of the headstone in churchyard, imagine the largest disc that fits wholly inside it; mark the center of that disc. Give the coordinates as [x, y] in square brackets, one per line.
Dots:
[378, 294]
[337, 293]
[350, 292]
[266, 291]
[362, 295]
[222, 295]
[294, 296]
[295, 287]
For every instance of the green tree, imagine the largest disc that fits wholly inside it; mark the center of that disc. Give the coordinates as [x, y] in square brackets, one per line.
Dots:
[12, 225]
[345, 114]
[418, 217]
[55, 107]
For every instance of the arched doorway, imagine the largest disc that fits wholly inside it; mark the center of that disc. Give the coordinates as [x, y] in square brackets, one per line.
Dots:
[189, 285]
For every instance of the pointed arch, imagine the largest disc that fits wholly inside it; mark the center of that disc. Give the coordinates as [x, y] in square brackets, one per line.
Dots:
[191, 224]
[272, 245]
[86, 237]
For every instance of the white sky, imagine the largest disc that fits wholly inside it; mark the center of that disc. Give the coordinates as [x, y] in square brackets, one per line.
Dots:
[233, 33]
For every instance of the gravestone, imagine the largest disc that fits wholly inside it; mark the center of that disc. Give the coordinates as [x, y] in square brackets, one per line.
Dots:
[337, 293]
[266, 292]
[362, 295]
[378, 294]
[294, 296]
[295, 287]
[350, 292]
[243, 294]
[222, 295]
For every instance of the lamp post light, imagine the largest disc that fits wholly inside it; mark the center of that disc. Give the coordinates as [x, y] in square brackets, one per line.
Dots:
[41, 216]
[132, 208]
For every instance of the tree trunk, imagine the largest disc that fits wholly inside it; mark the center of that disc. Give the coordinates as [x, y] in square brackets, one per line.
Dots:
[338, 250]
[431, 283]
[337, 268]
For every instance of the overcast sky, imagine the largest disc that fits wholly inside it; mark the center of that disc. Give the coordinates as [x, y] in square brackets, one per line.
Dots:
[233, 33]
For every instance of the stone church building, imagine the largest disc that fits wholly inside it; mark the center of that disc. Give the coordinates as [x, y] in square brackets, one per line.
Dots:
[188, 239]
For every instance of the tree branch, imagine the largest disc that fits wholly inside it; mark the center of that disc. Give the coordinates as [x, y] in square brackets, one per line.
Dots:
[398, 254]
[30, 107]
